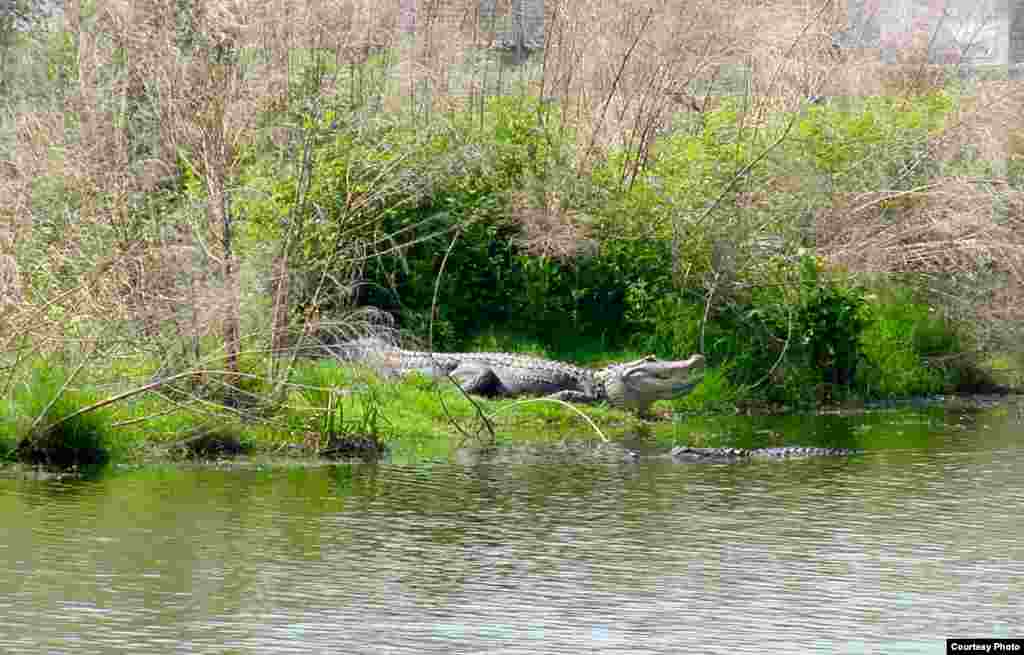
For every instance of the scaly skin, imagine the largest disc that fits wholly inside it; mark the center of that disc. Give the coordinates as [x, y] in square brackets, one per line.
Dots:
[728, 455]
[689, 454]
[632, 385]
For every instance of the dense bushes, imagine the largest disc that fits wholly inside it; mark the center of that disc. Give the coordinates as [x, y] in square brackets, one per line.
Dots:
[43, 416]
[909, 347]
[654, 269]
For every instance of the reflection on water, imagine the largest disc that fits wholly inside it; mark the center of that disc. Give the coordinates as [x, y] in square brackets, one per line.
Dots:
[567, 550]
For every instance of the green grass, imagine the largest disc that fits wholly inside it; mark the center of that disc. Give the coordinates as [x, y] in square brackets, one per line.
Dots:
[41, 415]
[417, 417]
[715, 393]
[904, 343]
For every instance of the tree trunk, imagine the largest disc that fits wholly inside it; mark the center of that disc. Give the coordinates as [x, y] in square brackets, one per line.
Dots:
[219, 215]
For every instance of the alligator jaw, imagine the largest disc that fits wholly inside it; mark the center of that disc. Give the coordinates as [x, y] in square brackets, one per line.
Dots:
[647, 380]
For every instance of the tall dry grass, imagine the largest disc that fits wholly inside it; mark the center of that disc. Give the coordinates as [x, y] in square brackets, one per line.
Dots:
[958, 235]
[621, 74]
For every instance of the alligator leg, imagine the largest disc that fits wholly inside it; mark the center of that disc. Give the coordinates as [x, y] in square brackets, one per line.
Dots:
[573, 396]
[479, 380]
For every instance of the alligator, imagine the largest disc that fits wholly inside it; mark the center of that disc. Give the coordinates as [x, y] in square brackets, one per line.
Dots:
[731, 455]
[629, 385]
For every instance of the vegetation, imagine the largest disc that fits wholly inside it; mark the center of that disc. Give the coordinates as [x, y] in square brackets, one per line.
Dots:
[201, 193]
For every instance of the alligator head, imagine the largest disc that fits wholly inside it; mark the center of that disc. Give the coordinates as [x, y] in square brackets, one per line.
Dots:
[638, 384]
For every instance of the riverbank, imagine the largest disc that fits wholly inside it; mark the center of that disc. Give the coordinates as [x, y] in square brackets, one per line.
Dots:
[319, 408]
[329, 411]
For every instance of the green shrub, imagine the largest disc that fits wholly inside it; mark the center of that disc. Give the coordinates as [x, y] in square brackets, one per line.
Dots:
[715, 393]
[333, 404]
[795, 340]
[870, 144]
[905, 342]
[668, 325]
[829, 325]
[60, 438]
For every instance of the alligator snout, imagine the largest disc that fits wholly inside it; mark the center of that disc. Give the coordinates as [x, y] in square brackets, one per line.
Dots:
[660, 373]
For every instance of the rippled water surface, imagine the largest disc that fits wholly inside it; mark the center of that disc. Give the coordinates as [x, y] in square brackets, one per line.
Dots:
[564, 549]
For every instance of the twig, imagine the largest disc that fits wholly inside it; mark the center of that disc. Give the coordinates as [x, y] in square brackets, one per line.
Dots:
[60, 392]
[785, 347]
[430, 345]
[746, 169]
[561, 402]
[615, 85]
[109, 401]
[707, 309]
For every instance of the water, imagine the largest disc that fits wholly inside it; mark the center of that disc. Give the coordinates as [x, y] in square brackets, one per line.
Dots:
[560, 549]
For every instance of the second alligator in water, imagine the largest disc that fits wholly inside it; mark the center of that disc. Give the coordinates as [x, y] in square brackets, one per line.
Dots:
[731, 455]
[631, 385]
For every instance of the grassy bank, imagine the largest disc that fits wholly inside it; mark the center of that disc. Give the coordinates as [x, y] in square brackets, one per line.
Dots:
[323, 409]
[86, 417]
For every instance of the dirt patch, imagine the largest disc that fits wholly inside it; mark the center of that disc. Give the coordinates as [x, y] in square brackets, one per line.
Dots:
[209, 446]
[350, 447]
